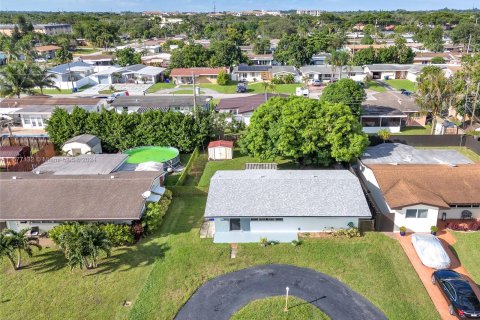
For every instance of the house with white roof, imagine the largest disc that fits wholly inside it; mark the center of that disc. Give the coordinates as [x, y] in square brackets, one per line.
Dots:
[72, 75]
[327, 73]
[248, 205]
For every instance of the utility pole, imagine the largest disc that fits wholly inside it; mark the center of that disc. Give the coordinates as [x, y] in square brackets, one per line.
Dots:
[472, 119]
[194, 96]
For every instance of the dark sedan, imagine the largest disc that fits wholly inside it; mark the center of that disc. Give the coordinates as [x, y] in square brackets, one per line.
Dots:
[462, 299]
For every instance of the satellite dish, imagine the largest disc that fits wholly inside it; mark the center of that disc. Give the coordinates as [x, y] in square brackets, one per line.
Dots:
[169, 169]
[146, 194]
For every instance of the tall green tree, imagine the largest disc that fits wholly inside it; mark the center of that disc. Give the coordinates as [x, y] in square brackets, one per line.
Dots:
[261, 46]
[345, 91]
[293, 50]
[21, 242]
[337, 60]
[434, 92]
[127, 57]
[43, 79]
[190, 56]
[364, 56]
[7, 249]
[17, 78]
[63, 55]
[225, 53]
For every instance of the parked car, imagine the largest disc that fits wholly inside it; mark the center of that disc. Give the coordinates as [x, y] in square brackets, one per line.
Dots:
[407, 93]
[241, 87]
[302, 92]
[461, 298]
[316, 83]
[430, 251]
[117, 94]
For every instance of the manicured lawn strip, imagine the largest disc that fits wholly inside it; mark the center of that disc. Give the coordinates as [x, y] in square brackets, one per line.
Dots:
[467, 248]
[414, 131]
[229, 88]
[185, 92]
[173, 178]
[160, 86]
[86, 50]
[472, 155]
[279, 88]
[196, 170]
[62, 91]
[237, 163]
[374, 266]
[272, 309]
[48, 289]
[372, 85]
[402, 84]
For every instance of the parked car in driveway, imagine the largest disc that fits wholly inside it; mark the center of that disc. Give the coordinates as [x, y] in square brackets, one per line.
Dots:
[430, 251]
[316, 83]
[462, 300]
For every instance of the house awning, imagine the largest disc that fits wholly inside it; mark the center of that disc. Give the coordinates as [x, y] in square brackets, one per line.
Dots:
[158, 190]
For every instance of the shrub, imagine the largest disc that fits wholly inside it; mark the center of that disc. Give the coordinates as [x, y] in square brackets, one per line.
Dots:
[118, 234]
[137, 230]
[384, 134]
[288, 79]
[433, 229]
[57, 231]
[153, 216]
[296, 243]
[263, 242]
[277, 80]
[403, 229]
[347, 233]
[223, 78]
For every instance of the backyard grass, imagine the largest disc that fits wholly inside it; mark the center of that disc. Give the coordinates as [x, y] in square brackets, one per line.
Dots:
[229, 88]
[62, 91]
[272, 309]
[237, 163]
[410, 131]
[173, 178]
[372, 85]
[467, 250]
[472, 155]
[402, 84]
[160, 86]
[86, 50]
[374, 266]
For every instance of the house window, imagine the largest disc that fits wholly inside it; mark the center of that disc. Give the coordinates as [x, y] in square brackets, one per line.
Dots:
[416, 213]
[235, 225]
[370, 122]
[26, 120]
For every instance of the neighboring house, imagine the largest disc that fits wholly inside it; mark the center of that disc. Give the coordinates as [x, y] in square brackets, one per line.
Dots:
[100, 62]
[157, 60]
[119, 197]
[152, 46]
[242, 108]
[35, 111]
[46, 52]
[48, 29]
[426, 57]
[82, 144]
[202, 75]
[110, 75]
[324, 73]
[262, 59]
[248, 73]
[390, 110]
[11, 155]
[319, 59]
[139, 73]
[72, 75]
[387, 71]
[418, 195]
[220, 150]
[281, 71]
[247, 205]
[140, 104]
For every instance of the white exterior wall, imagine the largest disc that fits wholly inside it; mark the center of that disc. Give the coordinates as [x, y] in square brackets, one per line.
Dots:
[219, 153]
[34, 121]
[376, 129]
[416, 224]
[48, 225]
[250, 76]
[389, 74]
[77, 84]
[456, 213]
[85, 148]
[412, 77]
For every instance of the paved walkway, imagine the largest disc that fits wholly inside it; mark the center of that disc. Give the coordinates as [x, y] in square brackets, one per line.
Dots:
[221, 297]
[425, 273]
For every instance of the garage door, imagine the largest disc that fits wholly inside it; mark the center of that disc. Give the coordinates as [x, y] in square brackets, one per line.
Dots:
[103, 80]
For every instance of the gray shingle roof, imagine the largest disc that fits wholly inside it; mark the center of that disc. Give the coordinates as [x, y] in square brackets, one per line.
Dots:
[286, 193]
[284, 69]
[63, 68]
[88, 139]
[247, 68]
[83, 164]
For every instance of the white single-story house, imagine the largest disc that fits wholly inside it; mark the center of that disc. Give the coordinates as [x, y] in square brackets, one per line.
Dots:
[202, 75]
[416, 196]
[72, 75]
[248, 73]
[82, 144]
[100, 62]
[220, 150]
[387, 71]
[242, 108]
[139, 73]
[282, 71]
[262, 59]
[319, 59]
[248, 205]
[327, 73]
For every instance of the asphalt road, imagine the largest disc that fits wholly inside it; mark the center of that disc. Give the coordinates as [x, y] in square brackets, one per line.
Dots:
[221, 297]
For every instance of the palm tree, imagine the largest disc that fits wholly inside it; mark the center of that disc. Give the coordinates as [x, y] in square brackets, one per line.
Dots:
[268, 87]
[11, 51]
[43, 79]
[22, 242]
[97, 242]
[16, 78]
[434, 92]
[337, 59]
[7, 249]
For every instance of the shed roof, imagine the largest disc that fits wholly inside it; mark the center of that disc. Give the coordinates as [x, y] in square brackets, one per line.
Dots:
[88, 139]
[220, 143]
[12, 151]
[82, 197]
[286, 193]
[430, 184]
[47, 48]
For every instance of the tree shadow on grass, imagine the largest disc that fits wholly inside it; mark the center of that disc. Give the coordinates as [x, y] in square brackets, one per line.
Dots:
[307, 302]
[127, 258]
[48, 261]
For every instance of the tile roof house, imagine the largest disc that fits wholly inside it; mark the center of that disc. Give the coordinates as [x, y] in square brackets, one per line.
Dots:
[202, 75]
[417, 195]
[47, 52]
[118, 198]
[247, 205]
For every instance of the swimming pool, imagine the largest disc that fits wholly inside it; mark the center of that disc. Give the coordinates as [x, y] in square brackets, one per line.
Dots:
[139, 155]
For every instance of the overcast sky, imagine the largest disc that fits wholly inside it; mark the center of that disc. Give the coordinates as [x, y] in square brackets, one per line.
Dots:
[227, 5]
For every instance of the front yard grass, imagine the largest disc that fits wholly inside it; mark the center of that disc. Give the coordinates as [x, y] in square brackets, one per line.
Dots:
[62, 91]
[229, 88]
[402, 84]
[467, 250]
[470, 154]
[374, 266]
[410, 131]
[160, 86]
[256, 88]
[372, 85]
[272, 309]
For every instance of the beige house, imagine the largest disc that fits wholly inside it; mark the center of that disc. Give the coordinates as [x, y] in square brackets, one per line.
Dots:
[202, 75]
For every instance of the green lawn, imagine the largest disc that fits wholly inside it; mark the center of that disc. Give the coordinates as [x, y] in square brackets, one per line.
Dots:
[467, 250]
[472, 155]
[402, 84]
[252, 88]
[374, 266]
[229, 88]
[160, 86]
[86, 50]
[173, 178]
[185, 91]
[237, 163]
[409, 131]
[62, 91]
[372, 85]
[273, 309]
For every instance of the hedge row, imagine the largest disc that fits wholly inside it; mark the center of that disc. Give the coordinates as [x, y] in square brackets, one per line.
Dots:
[186, 170]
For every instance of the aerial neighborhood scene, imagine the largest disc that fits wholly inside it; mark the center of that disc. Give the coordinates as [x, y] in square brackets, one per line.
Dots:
[240, 160]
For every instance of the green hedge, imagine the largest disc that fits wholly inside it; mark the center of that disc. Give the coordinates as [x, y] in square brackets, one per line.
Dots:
[188, 191]
[118, 234]
[153, 216]
[185, 171]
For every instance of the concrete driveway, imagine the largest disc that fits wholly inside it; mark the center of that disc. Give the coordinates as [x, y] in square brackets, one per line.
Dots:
[221, 297]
